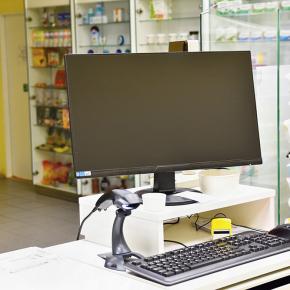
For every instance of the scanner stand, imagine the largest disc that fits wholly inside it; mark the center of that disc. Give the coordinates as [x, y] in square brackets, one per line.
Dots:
[120, 250]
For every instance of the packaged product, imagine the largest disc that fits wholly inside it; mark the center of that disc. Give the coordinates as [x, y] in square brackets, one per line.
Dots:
[160, 9]
[244, 9]
[62, 172]
[271, 6]
[59, 80]
[118, 14]
[244, 36]
[285, 5]
[65, 118]
[231, 33]
[270, 34]
[39, 57]
[285, 35]
[220, 34]
[256, 35]
[259, 7]
[53, 57]
[48, 177]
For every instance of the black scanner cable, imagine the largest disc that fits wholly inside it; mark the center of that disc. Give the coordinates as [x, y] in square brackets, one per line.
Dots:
[104, 197]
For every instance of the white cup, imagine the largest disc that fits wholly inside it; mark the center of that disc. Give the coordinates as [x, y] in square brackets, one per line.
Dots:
[183, 36]
[172, 37]
[151, 38]
[161, 38]
[154, 201]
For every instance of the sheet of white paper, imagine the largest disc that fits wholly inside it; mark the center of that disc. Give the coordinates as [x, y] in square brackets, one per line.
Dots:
[24, 259]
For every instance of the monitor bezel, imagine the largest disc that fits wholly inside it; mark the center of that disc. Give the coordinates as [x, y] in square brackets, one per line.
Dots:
[89, 173]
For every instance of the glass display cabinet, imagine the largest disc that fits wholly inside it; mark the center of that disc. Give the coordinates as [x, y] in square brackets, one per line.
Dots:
[284, 109]
[159, 22]
[102, 26]
[49, 38]
[261, 27]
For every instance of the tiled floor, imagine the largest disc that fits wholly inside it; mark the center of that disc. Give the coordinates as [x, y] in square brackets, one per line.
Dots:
[29, 219]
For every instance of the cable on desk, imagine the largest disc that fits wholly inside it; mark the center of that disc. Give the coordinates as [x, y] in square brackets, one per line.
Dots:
[84, 220]
[176, 242]
[197, 227]
[173, 223]
[190, 216]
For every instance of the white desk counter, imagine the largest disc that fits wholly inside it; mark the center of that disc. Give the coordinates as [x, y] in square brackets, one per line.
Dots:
[79, 268]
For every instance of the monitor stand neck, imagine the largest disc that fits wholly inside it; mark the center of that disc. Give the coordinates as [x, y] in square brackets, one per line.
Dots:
[164, 182]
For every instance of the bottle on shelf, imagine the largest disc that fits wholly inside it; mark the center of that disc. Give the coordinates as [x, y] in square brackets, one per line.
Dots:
[105, 183]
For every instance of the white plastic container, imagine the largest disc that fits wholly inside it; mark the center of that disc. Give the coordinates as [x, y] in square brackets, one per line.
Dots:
[219, 181]
[162, 38]
[151, 38]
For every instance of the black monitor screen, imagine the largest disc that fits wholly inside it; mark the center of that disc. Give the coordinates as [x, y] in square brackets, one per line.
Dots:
[141, 113]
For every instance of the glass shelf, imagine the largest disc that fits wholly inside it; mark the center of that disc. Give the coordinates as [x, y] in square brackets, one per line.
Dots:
[169, 19]
[53, 127]
[154, 44]
[105, 45]
[47, 67]
[104, 23]
[47, 47]
[61, 187]
[52, 151]
[50, 28]
[251, 42]
[51, 106]
[251, 13]
[50, 88]
[245, 14]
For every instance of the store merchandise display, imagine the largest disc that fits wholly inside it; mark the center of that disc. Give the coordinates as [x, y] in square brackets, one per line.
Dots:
[160, 9]
[240, 7]
[103, 27]
[159, 22]
[57, 172]
[49, 39]
[54, 38]
[163, 38]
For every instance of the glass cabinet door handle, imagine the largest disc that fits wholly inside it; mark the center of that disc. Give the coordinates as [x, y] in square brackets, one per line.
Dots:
[34, 173]
[139, 11]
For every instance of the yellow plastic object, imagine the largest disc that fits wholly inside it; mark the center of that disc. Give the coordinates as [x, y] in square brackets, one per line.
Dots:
[287, 221]
[221, 226]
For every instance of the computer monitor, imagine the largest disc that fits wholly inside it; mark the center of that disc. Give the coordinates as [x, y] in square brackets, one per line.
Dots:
[160, 113]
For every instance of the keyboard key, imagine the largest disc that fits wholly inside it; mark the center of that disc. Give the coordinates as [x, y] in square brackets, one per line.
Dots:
[136, 263]
[168, 274]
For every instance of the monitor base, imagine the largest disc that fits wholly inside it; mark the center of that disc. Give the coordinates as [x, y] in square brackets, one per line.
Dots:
[172, 199]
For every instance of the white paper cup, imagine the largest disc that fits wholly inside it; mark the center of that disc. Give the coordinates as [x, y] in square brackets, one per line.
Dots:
[172, 37]
[151, 38]
[154, 201]
[161, 38]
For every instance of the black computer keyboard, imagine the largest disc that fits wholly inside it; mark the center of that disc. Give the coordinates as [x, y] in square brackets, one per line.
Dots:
[195, 261]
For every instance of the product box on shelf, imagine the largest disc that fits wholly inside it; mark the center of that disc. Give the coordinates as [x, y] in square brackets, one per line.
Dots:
[39, 57]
